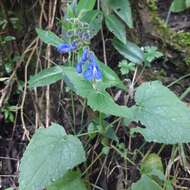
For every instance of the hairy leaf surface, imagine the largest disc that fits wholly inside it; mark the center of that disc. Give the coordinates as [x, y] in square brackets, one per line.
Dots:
[48, 157]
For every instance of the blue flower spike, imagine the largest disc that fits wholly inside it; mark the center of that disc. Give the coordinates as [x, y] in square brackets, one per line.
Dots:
[64, 48]
[74, 45]
[93, 72]
[83, 59]
[85, 53]
[79, 68]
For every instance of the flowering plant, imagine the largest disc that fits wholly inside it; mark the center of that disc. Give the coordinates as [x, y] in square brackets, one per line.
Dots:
[87, 78]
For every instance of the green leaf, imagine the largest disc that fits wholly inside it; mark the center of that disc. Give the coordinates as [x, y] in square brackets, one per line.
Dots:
[9, 38]
[151, 162]
[105, 150]
[46, 77]
[71, 181]
[98, 99]
[150, 54]
[147, 183]
[85, 5]
[123, 9]
[49, 37]
[103, 102]
[6, 114]
[76, 82]
[152, 166]
[105, 7]
[168, 185]
[53, 74]
[110, 133]
[48, 157]
[178, 5]
[94, 19]
[110, 78]
[130, 51]
[165, 117]
[92, 130]
[126, 67]
[11, 117]
[10, 188]
[187, 3]
[116, 26]
[70, 11]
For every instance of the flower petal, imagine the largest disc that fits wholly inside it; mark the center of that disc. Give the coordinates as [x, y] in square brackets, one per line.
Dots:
[79, 68]
[84, 55]
[63, 48]
[98, 74]
[74, 45]
[88, 74]
[92, 58]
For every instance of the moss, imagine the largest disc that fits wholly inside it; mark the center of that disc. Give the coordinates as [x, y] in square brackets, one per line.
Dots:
[183, 38]
[152, 4]
[177, 40]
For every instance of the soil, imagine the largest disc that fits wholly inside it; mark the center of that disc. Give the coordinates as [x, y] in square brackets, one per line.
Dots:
[177, 21]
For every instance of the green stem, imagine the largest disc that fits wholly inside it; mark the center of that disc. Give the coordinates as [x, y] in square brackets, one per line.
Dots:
[83, 110]
[73, 109]
[122, 155]
[94, 161]
[71, 60]
[102, 128]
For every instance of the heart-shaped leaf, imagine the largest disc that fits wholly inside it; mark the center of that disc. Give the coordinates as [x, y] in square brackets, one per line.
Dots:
[164, 115]
[48, 157]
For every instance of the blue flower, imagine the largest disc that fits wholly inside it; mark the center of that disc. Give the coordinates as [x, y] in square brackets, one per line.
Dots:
[79, 67]
[64, 48]
[85, 36]
[84, 54]
[93, 72]
[74, 45]
[92, 59]
[83, 59]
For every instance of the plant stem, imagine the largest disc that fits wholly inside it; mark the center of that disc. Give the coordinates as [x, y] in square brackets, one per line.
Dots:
[122, 155]
[102, 128]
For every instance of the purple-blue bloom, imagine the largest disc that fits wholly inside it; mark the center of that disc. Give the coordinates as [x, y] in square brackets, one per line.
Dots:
[93, 72]
[92, 58]
[85, 36]
[83, 59]
[64, 48]
[84, 54]
[74, 45]
[79, 67]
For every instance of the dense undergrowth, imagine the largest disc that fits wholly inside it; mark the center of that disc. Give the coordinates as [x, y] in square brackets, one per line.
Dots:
[81, 104]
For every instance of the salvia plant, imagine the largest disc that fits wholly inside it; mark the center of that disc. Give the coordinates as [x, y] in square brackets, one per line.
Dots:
[52, 154]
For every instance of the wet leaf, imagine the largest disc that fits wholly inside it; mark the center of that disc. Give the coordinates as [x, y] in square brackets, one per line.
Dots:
[147, 183]
[49, 37]
[178, 5]
[130, 51]
[48, 157]
[71, 181]
[164, 115]
[123, 9]
[46, 77]
[116, 26]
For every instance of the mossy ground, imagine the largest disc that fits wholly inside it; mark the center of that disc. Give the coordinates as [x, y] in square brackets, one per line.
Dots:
[178, 40]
